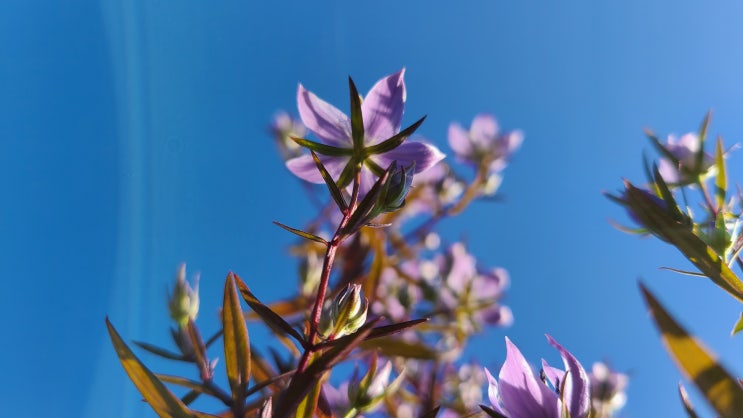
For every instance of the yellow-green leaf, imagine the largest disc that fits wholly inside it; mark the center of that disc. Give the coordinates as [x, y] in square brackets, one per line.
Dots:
[236, 344]
[162, 400]
[717, 385]
[738, 325]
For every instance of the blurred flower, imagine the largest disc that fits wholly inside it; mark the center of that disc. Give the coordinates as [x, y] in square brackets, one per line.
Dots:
[346, 314]
[365, 395]
[184, 301]
[607, 389]
[686, 168]
[382, 111]
[283, 128]
[483, 144]
[519, 393]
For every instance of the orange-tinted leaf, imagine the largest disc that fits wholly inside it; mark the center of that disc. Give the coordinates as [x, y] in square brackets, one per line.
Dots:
[236, 344]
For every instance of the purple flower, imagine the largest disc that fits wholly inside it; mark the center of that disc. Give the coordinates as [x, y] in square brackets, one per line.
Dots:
[520, 393]
[483, 143]
[685, 150]
[381, 111]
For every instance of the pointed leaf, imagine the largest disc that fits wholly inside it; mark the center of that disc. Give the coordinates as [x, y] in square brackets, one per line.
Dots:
[199, 350]
[271, 318]
[702, 139]
[721, 179]
[695, 361]
[738, 325]
[432, 413]
[301, 233]
[491, 412]
[335, 192]
[323, 149]
[397, 347]
[236, 344]
[161, 351]
[657, 219]
[395, 141]
[162, 400]
[309, 404]
[687, 403]
[357, 120]
[190, 397]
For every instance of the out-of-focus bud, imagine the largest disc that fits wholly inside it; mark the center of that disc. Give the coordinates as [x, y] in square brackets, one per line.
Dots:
[266, 409]
[346, 314]
[184, 301]
[366, 394]
[607, 389]
[309, 273]
[684, 161]
[283, 128]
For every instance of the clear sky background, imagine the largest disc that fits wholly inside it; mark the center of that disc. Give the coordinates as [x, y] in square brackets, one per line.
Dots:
[133, 136]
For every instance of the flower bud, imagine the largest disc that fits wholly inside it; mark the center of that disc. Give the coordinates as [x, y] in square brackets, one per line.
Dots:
[346, 314]
[365, 395]
[184, 301]
[396, 188]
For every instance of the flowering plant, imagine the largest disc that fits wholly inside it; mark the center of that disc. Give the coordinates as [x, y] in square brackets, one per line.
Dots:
[377, 288]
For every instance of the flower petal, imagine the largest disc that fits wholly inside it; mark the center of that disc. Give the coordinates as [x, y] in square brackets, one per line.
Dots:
[576, 395]
[423, 155]
[493, 393]
[459, 141]
[305, 168]
[327, 122]
[383, 107]
[523, 394]
[483, 130]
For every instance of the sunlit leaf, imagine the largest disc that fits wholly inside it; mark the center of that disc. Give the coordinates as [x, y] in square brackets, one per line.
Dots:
[717, 385]
[301, 233]
[705, 258]
[161, 352]
[393, 346]
[396, 140]
[198, 349]
[721, 183]
[271, 318]
[738, 325]
[323, 149]
[702, 139]
[162, 400]
[236, 343]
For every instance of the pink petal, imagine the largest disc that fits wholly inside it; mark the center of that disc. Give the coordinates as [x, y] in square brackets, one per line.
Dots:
[327, 122]
[523, 394]
[383, 107]
[483, 130]
[459, 141]
[305, 168]
[577, 394]
[424, 155]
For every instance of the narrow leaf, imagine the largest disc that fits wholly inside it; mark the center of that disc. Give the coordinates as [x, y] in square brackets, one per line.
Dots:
[199, 350]
[702, 139]
[335, 192]
[357, 120]
[432, 413]
[162, 400]
[705, 258]
[738, 325]
[271, 318]
[396, 347]
[301, 233]
[323, 149]
[696, 362]
[236, 344]
[491, 412]
[395, 141]
[162, 352]
[721, 179]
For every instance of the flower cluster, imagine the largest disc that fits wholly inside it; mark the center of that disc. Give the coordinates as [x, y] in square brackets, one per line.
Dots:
[377, 286]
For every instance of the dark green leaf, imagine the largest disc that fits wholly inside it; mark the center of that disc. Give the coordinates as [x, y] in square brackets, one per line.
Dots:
[397, 347]
[191, 396]
[432, 413]
[271, 318]
[702, 139]
[162, 400]
[717, 385]
[357, 120]
[323, 149]
[301, 233]
[395, 141]
[161, 352]
[335, 192]
[491, 412]
[236, 344]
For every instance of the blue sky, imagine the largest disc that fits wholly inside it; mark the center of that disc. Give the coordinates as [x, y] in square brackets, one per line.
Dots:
[133, 137]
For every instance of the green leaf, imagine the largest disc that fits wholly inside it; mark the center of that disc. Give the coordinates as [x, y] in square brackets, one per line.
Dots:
[717, 385]
[396, 347]
[162, 400]
[301, 233]
[357, 120]
[738, 325]
[702, 139]
[687, 403]
[236, 343]
[271, 318]
[705, 258]
[395, 141]
[323, 149]
[335, 192]
[721, 179]
[432, 413]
